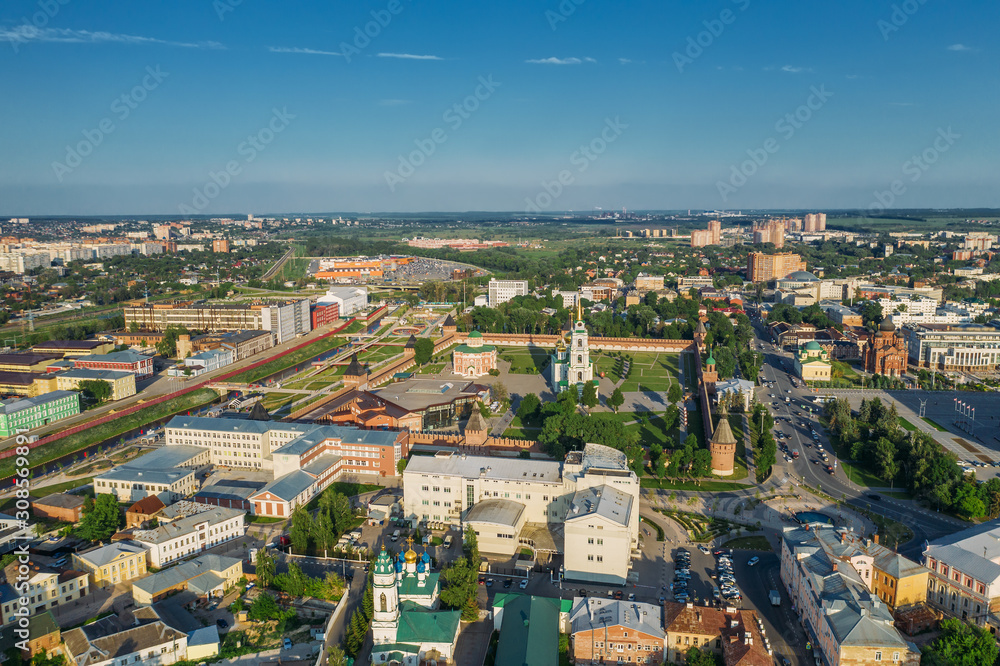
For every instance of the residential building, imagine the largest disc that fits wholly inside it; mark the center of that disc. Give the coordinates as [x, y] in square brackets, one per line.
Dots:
[43, 636]
[531, 636]
[61, 507]
[207, 576]
[709, 236]
[177, 539]
[143, 511]
[42, 586]
[965, 575]
[501, 291]
[123, 361]
[645, 282]
[814, 222]
[324, 313]
[766, 267]
[19, 415]
[114, 563]
[686, 282]
[220, 245]
[686, 626]
[71, 348]
[285, 319]
[964, 347]
[845, 623]
[769, 231]
[349, 300]
[512, 503]
[23, 383]
[111, 642]
[242, 344]
[841, 314]
[885, 353]
[606, 631]
[169, 473]
[812, 363]
[209, 360]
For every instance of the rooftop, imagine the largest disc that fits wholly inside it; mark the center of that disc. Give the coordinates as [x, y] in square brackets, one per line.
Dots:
[520, 469]
[593, 613]
[186, 525]
[605, 501]
[496, 511]
[14, 405]
[102, 555]
[114, 357]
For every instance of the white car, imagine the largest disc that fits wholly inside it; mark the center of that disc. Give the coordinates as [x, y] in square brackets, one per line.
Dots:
[703, 548]
[753, 561]
[523, 584]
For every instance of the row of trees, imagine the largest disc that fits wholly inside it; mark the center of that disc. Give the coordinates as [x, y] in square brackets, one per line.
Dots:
[765, 448]
[875, 439]
[321, 533]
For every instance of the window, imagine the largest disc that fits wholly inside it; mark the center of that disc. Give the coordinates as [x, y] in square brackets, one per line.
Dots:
[878, 656]
[895, 656]
[590, 540]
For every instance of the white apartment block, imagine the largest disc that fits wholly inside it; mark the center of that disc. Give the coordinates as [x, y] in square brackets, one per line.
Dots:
[911, 306]
[24, 261]
[233, 442]
[288, 320]
[170, 473]
[513, 502]
[501, 291]
[191, 534]
[348, 299]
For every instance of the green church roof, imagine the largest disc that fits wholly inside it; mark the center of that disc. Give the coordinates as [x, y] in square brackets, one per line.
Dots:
[419, 625]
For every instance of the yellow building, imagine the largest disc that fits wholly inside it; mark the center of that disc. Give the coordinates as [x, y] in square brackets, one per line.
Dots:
[122, 383]
[898, 581]
[27, 361]
[74, 348]
[117, 562]
[20, 383]
[813, 363]
[207, 577]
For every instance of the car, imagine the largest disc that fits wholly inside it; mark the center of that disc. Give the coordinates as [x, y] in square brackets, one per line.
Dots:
[619, 594]
[631, 597]
[489, 582]
[286, 644]
[250, 586]
[507, 583]
[222, 623]
[875, 497]
[681, 596]
[715, 593]
[662, 599]
[523, 584]
[752, 562]
[482, 581]
[703, 548]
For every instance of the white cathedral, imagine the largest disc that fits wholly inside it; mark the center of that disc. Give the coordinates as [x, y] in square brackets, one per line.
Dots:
[407, 627]
[572, 366]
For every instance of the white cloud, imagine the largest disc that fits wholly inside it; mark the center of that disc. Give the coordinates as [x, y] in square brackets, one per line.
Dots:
[960, 47]
[295, 49]
[624, 61]
[28, 33]
[560, 61]
[409, 56]
[795, 70]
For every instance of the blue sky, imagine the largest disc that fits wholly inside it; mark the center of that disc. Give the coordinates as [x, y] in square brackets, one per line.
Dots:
[305, 124]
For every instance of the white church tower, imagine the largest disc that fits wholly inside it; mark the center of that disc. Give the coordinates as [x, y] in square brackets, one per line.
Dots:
[385, 619]
[580, 368]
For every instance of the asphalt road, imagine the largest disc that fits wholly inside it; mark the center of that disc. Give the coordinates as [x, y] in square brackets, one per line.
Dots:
[778, 368]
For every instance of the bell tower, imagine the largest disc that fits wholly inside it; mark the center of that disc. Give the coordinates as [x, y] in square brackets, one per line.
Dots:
[579, 352]
[385, 619]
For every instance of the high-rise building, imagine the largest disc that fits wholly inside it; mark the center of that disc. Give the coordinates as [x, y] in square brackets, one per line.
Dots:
[765, 267]
[709, 236]
[814, 222]
[770, 231]
[220, 245]
[501, 291]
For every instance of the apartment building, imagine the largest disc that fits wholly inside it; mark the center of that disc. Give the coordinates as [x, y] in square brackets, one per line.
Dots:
[122, 383]
[965, 575]
[203, 362]
[769, 231]
[286, 319]
[206, 576]
[686, 626]
[514, 502]
[110, 642]
[169, 473]
[685, 282]
[766, 267]
[645, 282]
[191, 534]
[841, 618]
[348, 300]
[965, 347]
[501, 291]
[114, 563]
[47, 587]
[709, 236]
[604, 631]
[72, 348]
[814, 222]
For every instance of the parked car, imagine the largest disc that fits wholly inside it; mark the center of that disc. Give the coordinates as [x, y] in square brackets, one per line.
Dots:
[523, 584]
[222, 624]
[619, 594]
[752, 562]
[286, 644]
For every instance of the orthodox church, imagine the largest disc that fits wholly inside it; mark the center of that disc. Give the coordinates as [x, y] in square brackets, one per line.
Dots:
[407, 627]
[572, 366]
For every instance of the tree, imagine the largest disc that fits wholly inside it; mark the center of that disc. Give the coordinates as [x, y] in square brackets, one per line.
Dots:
[301, 529]
[264, 607]
[265, 568]
[95, 389]
[168, 346]
[101, 518]
[400, 466]
[470, 546]
[617, 399]
[589, 394]
[674, 393]
[335, 656]
[423, 350]
[960, 644]
[461, 585]
[699, 657]
[527, 411]
[885, 459]
[500, 393]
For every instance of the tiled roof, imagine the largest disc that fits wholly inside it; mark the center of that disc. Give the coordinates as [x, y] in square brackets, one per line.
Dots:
[703, 620]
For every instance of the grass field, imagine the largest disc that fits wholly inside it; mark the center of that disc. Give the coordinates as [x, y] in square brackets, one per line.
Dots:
[431, 369]
[299, 356]
[748, 543]
[934, 425]
[649, 371]
[525, 360]
[862, 477]
[707, 486]
[906, 424]
[275, 401]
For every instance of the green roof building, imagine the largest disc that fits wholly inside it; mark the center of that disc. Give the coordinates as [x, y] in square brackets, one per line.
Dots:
[529, 629]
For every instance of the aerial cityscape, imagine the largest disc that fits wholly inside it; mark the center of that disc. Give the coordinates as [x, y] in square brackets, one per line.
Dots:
[548, 334]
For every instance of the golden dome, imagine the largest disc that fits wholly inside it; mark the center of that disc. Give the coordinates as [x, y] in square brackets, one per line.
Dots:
[411, 556]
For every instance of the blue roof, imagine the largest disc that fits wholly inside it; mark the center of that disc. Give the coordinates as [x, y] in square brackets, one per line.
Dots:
[317, 434]
[289, 486]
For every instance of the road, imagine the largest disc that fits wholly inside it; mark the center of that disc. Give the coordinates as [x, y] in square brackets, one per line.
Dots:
[795, 422]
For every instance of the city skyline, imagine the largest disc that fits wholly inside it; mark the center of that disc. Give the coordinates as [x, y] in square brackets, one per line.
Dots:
[226, 107]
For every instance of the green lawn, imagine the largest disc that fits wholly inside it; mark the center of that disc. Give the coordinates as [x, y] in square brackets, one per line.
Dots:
[63, 487]
[862, 477]
[274, 401]
[431, 369]
[749, 543]
[649, 371]
[525, 360]
[906, 424]
[934, 425]
[706, 486]
[314, 348]
[518, 433]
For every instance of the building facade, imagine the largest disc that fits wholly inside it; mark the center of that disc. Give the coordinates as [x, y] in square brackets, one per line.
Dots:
[18, 415]
[123, 361]
[501, 291]
[965, 575]
[571, 367]
[766, 267]
[117, 562]
[607, 631]
[286, 319]
[885, 353]
[812, 363]
[474, 359]
[192, 534]
[967, 348]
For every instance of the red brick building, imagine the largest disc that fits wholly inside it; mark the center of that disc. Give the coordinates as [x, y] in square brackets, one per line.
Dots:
[605, 631]
[126, 361]
[885, 353]
[59, 506]
[324, 313]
